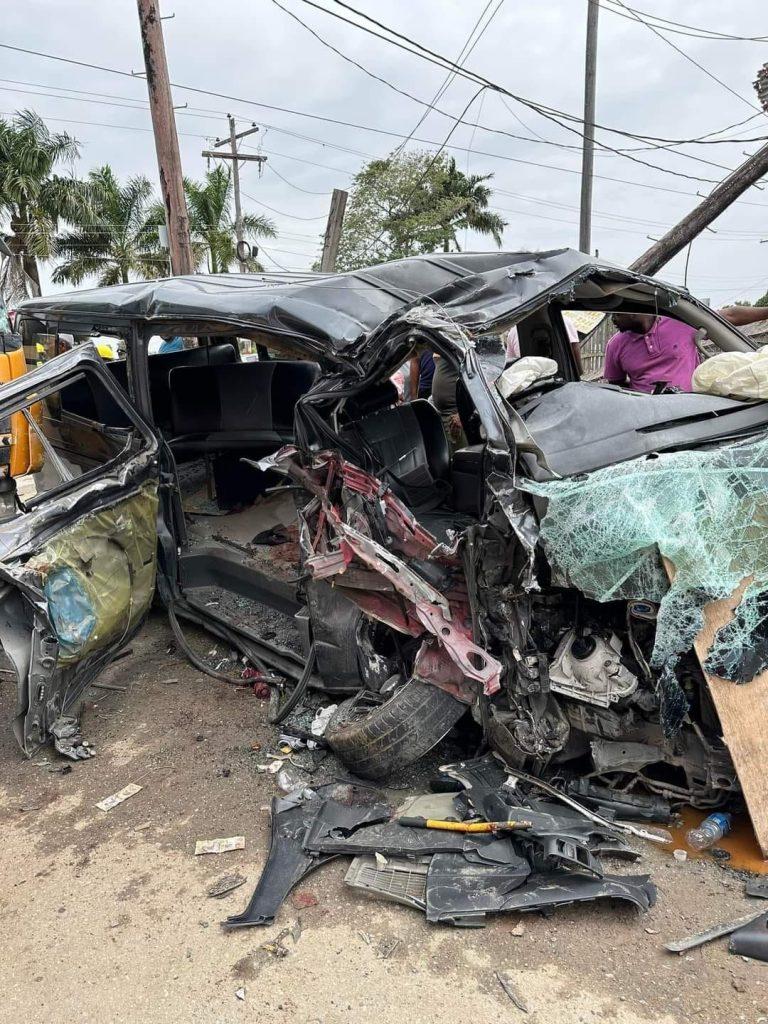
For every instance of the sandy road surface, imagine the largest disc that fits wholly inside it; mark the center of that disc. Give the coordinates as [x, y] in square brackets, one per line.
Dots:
[103, 921]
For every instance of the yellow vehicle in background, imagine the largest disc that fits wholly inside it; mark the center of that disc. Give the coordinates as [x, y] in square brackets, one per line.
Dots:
[20, 448]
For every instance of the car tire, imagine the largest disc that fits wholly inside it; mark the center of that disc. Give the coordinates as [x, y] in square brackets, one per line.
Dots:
[393, 734]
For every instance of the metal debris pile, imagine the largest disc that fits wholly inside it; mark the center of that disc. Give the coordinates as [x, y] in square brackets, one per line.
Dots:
[491, 845]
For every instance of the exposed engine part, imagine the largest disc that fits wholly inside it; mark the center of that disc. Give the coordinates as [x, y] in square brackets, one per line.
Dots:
[533, 728]
[623, 756]
[643, 610]
[695, 770]
[622, 805]
[589, 668]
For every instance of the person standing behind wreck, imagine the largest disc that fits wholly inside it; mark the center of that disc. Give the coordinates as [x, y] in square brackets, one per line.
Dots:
[740, 316]
[649, 352]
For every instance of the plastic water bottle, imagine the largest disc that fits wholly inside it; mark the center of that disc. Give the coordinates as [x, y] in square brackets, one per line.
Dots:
[709, 832]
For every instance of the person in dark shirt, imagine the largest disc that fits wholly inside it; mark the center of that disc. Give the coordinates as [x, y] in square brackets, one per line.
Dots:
[422, 370]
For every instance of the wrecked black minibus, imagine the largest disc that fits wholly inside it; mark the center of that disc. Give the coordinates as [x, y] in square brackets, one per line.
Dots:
[546, 577]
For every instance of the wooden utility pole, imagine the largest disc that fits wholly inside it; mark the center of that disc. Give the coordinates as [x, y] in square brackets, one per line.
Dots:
[719, 199]
[166, 141]
[236, 181]
[236, 159]
[333, 230]
[588, 149]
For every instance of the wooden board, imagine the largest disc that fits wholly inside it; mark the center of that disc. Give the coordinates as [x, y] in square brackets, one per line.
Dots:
[743, 712]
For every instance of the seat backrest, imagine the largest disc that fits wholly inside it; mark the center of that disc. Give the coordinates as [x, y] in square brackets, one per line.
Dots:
[119, 370]
[292, 379]
[374, 398]
[410, 445]
[239, 397]
[160, 367]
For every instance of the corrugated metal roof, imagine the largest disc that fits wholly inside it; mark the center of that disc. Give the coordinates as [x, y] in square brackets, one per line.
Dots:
[584, 320]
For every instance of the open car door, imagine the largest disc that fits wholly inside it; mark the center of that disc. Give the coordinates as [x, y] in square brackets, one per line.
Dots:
[78, 537]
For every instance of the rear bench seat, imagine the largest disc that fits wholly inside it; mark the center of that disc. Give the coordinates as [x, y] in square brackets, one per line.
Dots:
[161, 367]
[81, 399]
[243, 406]
[234, 411]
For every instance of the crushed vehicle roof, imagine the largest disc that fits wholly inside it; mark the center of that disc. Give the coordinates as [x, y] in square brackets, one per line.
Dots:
[477, 289]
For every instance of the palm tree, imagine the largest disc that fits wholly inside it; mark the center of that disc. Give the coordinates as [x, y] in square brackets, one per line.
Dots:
[33, 198]
[467, 196]
[212, 226]
[116, 238]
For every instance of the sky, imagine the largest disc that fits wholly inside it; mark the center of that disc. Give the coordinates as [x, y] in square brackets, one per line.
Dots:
[256, 53]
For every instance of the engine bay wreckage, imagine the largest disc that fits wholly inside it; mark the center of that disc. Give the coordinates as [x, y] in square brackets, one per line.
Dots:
[548, 575]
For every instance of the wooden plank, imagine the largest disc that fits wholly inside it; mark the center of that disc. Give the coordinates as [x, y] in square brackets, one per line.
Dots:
[743, 713]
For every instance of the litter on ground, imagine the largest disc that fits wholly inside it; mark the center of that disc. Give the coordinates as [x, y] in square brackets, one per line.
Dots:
[219, 845]
[117, 798]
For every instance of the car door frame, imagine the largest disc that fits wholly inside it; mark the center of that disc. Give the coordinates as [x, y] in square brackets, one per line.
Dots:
[46, 689]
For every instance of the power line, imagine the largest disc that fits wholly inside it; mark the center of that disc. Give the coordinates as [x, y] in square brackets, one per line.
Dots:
[678, 28]
[330, 120]
[102, 124]
[611, 228]
[189, 135]
[427, 142]
[340, 122]
[463, 149]
[432, 56]
[268, 254]
[312, 163]
[462, 56]
[548, 113]
[527, 163]
[271, 167]
[206, 113]
[428, 168]
[743, 235]
[281, 213]
[688, 57]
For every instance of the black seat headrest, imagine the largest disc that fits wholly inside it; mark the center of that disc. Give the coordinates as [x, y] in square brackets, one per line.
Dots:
[379, 396]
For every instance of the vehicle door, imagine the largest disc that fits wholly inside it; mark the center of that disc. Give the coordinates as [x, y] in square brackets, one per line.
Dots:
[78, 537]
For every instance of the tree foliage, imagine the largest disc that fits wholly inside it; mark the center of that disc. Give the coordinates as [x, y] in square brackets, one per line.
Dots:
[34, 198]
[212, 224]
[116, 238]
[412, 203]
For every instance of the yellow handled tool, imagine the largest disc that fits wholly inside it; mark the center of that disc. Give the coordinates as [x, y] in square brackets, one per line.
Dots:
[465, 826]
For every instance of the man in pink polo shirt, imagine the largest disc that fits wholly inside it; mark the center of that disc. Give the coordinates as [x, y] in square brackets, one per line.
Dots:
[650, 351]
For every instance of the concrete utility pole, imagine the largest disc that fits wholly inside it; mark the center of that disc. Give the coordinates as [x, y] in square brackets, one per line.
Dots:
[333, 230]
[236, 158]
[166, 141]
[588, 149]
[719, 199]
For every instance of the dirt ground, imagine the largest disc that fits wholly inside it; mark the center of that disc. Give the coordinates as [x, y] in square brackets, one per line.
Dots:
[105, 917]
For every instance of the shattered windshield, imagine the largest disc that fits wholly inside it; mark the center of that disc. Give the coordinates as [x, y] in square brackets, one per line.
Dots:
[703, 512]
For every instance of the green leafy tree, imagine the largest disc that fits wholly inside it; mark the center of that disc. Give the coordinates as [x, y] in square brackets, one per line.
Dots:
[34, 198]
[412, 203]
[467, 197]
[116, 239]
[212, 224]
